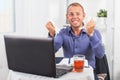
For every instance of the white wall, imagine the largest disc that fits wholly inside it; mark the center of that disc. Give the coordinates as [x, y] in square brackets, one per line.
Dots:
[31, 17]
[117, 41]
[110, 36]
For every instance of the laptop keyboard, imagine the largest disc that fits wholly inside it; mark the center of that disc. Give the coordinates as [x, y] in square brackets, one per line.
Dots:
[60, 72]
[62, 69]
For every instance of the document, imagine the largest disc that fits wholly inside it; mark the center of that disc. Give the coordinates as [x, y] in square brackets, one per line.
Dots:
[70, 61]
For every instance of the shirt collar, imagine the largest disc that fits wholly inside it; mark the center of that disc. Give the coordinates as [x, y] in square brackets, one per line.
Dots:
[83, 29]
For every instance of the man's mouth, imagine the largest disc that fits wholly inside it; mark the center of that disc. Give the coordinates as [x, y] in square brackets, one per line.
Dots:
[75, 22]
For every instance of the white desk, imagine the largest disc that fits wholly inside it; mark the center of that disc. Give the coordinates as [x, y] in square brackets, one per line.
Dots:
[86, 75]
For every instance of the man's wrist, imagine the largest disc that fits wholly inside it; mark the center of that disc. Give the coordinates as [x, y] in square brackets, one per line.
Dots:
[91, 34]
[51, 35]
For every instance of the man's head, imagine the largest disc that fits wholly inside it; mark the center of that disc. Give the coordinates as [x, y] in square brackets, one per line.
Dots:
[75, 15]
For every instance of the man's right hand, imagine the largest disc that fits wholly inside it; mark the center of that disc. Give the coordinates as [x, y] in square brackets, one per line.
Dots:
[50, 28]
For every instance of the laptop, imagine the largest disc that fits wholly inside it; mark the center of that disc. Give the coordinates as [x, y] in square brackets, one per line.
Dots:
[33, 55]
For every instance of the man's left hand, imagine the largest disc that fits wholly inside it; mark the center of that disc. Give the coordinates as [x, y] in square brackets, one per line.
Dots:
[90, 27]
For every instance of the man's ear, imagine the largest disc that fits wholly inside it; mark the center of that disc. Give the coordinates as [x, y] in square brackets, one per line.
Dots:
[84, 15]
[66, 18]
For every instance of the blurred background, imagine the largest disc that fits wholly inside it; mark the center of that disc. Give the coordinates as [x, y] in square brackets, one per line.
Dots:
[28, 17]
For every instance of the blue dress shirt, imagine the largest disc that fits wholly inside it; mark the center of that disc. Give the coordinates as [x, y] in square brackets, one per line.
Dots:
[90, 46]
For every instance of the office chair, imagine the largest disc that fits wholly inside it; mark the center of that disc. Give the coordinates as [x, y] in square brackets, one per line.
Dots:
[102, 68]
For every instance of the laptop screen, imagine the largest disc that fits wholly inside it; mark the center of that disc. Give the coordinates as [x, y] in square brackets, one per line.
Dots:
[30, 55]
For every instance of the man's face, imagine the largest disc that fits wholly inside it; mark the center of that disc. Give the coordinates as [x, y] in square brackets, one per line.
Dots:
[75, 16]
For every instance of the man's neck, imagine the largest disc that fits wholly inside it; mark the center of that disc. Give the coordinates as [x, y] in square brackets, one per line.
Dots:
[77, 31]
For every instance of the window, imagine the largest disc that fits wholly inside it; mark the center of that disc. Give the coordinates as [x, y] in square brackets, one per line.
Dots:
[6, 16]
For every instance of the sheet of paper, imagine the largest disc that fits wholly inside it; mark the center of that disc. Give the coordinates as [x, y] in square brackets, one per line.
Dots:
[69, 62]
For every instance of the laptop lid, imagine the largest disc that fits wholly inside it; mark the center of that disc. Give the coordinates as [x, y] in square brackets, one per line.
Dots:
[30, 55]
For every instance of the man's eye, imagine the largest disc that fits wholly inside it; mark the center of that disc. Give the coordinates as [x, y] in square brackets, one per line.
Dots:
[71, 14]
[78, 14]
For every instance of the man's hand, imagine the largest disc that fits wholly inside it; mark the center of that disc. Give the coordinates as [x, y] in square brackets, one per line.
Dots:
[50, 28]
[90, 27]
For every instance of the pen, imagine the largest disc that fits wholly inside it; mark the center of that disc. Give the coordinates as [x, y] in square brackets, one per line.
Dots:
[69, 61]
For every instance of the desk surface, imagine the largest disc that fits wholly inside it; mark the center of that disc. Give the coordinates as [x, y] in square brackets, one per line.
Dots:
[87, 74]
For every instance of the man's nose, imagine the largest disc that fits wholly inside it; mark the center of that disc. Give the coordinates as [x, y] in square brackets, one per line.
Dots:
[75, 16]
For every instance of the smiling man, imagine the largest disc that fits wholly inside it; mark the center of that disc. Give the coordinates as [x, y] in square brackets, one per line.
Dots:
[78, 38]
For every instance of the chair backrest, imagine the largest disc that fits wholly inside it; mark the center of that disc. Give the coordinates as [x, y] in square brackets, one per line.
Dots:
[102, 67]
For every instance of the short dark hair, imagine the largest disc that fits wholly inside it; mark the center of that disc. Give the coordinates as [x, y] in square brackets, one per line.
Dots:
[75, 4]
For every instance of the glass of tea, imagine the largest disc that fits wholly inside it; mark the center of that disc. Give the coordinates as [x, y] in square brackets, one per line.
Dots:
[78, 62]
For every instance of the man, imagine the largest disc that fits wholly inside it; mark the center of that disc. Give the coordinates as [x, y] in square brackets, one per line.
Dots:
[78, 38]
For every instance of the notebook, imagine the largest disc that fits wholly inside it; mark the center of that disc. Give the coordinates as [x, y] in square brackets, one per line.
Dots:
[33, 55]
